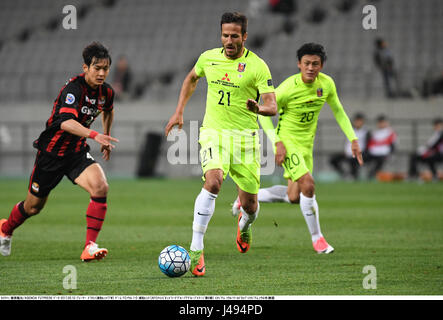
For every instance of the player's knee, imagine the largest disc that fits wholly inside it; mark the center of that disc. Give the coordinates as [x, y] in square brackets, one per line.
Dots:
[213, 185]
[308, 191]
[307, 186]
[100, 189]
[250, 206]
[294, 198]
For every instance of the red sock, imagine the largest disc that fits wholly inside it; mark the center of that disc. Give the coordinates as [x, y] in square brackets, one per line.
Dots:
[16, 218]
[95, 215]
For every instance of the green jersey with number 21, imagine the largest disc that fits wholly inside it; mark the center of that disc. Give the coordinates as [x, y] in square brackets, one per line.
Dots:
[231, 82]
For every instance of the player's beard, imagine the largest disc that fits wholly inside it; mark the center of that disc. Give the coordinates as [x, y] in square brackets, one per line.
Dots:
[236, 53]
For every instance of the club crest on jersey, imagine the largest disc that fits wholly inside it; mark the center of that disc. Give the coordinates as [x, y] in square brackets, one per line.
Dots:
[319, 92]
[101, 100]
[70, 98]
[241, 67]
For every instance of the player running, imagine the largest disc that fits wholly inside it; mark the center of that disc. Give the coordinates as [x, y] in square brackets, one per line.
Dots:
[229, 139]
[300, 99]
[62, 150]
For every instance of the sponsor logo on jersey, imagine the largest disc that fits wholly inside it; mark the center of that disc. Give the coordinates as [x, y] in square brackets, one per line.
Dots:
[226, 77]
[319, 92]
[91, 101]
[86, 110]
[70, 98]
[241, 67]
[269, 82]
[90, 111]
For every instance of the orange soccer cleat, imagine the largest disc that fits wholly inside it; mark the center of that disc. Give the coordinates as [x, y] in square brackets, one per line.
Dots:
[244, 238]
[93, 252]
[198, 267]
[321, 246]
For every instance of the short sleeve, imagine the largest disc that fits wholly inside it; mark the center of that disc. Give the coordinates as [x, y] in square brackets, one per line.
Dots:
[199, 66]
[281, 95]
[109, 103]
[69, 100]
[264, 78]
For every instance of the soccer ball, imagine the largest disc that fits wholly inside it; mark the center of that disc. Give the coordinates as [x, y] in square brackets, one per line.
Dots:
[174, 261]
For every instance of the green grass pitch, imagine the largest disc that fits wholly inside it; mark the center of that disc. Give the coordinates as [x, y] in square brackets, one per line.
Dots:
[395, 227]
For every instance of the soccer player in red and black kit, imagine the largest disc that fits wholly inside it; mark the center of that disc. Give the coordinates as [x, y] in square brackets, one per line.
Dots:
[62, 150]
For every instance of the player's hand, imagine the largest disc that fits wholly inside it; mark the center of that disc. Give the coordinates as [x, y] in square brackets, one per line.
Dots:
[252, 105]
[280, 153]
[175, 120]
[106, 151]
[105, 141]
[356, 152]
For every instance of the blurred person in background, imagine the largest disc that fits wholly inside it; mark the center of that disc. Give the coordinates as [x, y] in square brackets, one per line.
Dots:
[346, 156]
[380, 146]
[384, 61]
[430, 154]
[122, 79]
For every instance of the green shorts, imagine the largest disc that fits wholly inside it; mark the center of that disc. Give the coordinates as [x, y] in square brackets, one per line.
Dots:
[298, 161]
[236, 152]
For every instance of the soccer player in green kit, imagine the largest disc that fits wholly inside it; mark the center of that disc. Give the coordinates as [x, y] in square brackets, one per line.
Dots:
[229, 139]
[300, 99]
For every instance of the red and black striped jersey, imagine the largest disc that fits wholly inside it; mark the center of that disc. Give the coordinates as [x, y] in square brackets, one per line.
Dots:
[78, 101]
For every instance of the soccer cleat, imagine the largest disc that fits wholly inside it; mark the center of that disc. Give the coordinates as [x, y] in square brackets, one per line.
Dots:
[93, 252]
[236, 207]
[5, 241]
[321, 246]
[244, 238]
[198, 267]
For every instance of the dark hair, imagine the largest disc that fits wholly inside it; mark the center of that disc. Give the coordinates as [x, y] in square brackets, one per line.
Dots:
[235, 17]
[95, 50]
[381, 117]
[359, 116]
[437, 121]
[312, 48]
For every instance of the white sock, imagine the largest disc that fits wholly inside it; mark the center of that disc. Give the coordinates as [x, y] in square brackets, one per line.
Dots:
[277, 193]
[309, 209]
[247, 219]
[203, 210]
[317, 216]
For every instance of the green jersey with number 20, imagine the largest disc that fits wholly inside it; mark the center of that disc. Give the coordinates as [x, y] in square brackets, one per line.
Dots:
[231, 82]
[299, 105]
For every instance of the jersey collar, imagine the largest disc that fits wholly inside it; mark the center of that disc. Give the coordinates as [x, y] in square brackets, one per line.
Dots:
[244, 55]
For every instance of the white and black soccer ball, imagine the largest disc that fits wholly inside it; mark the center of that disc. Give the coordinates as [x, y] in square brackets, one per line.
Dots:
[174, 261]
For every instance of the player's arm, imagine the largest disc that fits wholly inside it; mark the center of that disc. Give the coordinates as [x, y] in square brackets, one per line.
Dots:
[345, 124]
[187, 89]
[107, 120]
[76, 128]
[268, 128]
[266, 89]
[268, 108]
